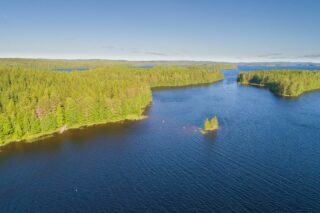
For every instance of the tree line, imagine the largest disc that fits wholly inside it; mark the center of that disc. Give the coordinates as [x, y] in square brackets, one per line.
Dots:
[36, 102]
[287, 83]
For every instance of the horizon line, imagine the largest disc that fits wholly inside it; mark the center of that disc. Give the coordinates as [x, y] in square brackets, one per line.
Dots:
[162, 60]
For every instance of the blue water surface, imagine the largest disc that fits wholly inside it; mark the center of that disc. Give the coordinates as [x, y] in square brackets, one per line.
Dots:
[265, 157]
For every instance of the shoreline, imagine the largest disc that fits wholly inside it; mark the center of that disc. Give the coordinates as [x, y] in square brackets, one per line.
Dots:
[277, 94]
[289, 84]
[159, 88]
[132, 117]
[65, 128]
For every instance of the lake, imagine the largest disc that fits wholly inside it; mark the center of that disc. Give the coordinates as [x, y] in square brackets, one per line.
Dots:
[266, 156]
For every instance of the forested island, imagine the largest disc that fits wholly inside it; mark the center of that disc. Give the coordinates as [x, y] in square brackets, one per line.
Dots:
[210, 125]
[36, 100]
[285, 83]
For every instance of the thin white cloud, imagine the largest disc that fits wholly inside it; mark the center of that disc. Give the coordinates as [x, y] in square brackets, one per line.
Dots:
[269, 55]
[148, 53]
[311, 56]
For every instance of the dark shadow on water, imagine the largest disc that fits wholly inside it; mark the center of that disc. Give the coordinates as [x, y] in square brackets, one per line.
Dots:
[49, 145]
[54, 142]
[204, 85]
[210, 142]
[211, 136]
[77, 137]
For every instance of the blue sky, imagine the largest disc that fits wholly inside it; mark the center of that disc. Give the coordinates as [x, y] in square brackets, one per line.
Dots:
[224, 30]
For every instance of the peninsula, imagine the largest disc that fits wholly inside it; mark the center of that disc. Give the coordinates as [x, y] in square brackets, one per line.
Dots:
[285, 83]
[38, 100]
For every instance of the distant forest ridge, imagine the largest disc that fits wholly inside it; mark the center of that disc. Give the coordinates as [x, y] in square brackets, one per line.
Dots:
[95, 62]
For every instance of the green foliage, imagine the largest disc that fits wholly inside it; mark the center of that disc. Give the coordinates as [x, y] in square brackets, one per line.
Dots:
[5, 126]
[288, 83]
[210, 125]
[60, 116]
[35, 100]
[206, 124]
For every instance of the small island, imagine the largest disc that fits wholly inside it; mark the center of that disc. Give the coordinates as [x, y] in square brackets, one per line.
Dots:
[210, 125]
